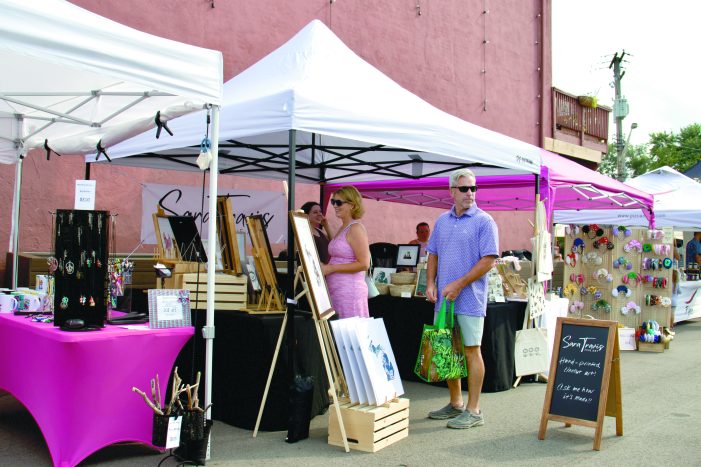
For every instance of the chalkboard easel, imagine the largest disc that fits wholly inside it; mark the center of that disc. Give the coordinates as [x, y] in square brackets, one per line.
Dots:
[585, 376]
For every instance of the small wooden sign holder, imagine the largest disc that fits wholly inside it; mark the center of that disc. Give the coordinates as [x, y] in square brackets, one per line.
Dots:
[332, 363]
[610, 403]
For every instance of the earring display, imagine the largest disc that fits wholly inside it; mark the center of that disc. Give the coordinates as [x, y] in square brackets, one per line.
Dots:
[81, 246]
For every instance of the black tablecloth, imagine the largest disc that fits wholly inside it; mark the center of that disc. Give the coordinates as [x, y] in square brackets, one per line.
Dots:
[243, 352]
[405, 317]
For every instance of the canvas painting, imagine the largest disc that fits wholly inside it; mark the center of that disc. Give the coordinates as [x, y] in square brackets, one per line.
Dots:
[381, 349]
[351, 326]
[167, 239]
[370, 357]
[253, 274]
[383, 275]
[311, 265]
[345, 356]
[408, 255]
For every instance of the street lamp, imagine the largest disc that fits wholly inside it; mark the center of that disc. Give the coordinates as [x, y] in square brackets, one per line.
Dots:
[623, 153]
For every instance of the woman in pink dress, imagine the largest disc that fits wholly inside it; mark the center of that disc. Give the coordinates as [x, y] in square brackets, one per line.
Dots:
[349, 256]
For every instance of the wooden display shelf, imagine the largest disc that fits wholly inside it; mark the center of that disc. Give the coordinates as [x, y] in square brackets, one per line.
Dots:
[231, 291]
[651, 347]
[370, 428]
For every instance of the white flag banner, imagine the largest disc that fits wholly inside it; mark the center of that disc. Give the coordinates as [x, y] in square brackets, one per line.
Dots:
[183, 200]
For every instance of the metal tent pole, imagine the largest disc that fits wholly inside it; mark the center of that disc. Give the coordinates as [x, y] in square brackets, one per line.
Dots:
[290, 301]
[208, 330]
[14, 231]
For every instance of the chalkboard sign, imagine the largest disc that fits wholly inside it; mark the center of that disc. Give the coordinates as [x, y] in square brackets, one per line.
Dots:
[579, 371]
[584, 382]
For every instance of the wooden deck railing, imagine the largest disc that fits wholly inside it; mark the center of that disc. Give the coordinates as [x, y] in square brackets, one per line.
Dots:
[578, 124]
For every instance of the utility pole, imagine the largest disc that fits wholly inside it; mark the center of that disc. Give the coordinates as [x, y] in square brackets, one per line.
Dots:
[620, 110]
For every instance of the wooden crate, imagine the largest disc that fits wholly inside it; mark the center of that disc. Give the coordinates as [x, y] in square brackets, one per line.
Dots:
[650, 347]
[230, 293]
[370, 428]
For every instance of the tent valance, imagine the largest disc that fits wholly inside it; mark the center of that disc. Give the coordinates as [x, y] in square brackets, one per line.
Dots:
[676, 203]
[564, 185]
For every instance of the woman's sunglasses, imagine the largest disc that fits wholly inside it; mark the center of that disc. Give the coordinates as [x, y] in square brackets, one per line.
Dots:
[337, 202]
[465, 189]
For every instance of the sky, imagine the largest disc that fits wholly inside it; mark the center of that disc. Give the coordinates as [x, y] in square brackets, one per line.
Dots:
[663, 68]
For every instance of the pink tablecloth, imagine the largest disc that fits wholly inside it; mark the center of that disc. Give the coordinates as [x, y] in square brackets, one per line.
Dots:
[77, 385]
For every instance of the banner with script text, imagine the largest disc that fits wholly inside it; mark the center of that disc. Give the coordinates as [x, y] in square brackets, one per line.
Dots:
[183, 200]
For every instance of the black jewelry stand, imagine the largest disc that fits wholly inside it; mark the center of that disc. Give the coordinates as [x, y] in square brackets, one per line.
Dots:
[81, 278]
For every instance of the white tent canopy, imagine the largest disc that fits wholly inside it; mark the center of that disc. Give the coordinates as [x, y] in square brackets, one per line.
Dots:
[352, 122]
[74, 82]
[72, 79]
[676, 203]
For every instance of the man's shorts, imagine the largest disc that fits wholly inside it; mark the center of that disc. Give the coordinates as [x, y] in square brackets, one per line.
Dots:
[471, 328]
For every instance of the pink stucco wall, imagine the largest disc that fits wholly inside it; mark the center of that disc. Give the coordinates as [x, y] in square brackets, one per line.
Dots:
[492, 69]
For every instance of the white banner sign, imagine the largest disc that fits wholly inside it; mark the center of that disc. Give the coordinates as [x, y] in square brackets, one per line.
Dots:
[187, 201]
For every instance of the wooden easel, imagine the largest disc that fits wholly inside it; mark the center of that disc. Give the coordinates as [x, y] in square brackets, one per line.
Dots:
[332, 363]
[609, 401]
[270, 297]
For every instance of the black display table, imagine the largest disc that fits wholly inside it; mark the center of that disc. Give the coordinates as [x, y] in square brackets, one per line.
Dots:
[243, 351]
[405, 317]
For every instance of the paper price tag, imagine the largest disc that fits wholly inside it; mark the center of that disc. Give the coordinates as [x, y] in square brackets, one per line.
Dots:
[406, 294]
[85, 194]
[169, 308]
[173, 436]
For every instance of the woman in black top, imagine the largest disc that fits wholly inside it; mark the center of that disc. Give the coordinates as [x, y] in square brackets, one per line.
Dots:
[320, 229]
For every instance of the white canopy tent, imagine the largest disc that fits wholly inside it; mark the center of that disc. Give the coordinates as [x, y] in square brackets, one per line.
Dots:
[74, 82]
[676, 199]
[351, 122]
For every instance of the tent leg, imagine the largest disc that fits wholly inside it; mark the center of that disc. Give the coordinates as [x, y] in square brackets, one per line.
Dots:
[291, 303]
[208, 330]
[14, 231]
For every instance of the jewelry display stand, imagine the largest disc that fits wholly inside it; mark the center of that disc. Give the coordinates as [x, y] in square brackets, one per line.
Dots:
[81, 250]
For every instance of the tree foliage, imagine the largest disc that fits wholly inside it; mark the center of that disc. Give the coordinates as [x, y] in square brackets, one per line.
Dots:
[681, 151]
[637, 162]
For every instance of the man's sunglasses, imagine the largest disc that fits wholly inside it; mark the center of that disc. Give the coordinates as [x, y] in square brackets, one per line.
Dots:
[465, 189]
[337, 202]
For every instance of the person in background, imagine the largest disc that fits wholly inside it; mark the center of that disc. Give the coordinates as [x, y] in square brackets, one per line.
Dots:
[557, 252]
[462, 249]
[423, 232]
[320, 229]
[693, 250]
[349, 256]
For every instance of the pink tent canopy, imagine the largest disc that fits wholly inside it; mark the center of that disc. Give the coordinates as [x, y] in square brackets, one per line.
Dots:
[564, 184]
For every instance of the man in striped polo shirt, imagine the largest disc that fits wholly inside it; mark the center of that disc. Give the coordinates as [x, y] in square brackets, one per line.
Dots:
[462, 249]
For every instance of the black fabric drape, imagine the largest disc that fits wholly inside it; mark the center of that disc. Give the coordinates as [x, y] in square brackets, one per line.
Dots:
[243, 352]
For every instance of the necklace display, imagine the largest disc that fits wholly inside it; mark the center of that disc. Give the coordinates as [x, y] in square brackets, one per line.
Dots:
[80, 278]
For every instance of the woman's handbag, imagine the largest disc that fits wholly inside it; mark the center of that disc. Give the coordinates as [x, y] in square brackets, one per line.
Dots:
[372, 288]
[442, 353]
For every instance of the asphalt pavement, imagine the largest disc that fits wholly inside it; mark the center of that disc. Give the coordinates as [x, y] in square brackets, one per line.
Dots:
[661, 425]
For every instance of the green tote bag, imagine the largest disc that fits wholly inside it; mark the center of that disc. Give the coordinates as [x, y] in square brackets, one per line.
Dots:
[441, 354]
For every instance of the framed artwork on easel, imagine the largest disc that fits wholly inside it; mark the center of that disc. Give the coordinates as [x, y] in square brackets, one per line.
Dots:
[264, 265]
[166, 238]
[319, 294]
[228, 241]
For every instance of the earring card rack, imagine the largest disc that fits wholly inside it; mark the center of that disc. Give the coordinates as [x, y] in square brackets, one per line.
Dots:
[591, 260]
